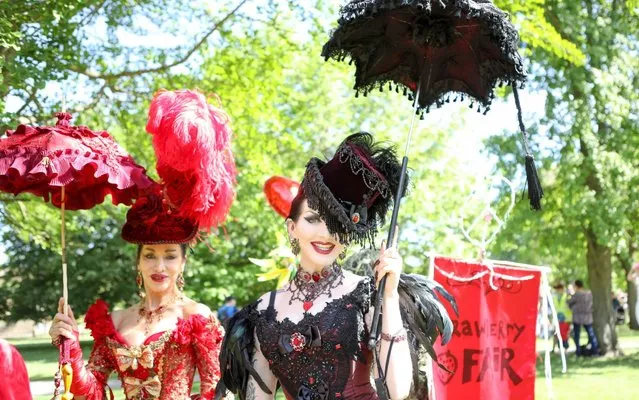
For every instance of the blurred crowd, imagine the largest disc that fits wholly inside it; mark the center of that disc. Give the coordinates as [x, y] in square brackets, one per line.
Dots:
[573, 304]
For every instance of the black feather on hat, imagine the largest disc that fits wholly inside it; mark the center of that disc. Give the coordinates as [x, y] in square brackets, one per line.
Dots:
[353, 191]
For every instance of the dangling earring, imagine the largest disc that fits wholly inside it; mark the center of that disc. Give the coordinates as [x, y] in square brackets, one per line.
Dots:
[180, 282]
[295, 246]
[342, 255]
[139, 282]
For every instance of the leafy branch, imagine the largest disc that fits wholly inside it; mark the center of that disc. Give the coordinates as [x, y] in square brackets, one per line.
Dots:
[163, 67]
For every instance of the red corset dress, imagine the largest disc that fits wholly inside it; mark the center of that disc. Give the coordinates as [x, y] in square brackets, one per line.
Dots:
[161, 368]
[324, 356]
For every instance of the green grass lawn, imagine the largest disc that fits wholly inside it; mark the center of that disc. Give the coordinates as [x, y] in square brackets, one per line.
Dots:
[586, 379]
[42, 358]
[599, 378]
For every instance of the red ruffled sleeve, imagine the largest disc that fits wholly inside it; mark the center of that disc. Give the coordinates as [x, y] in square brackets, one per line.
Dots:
[14, 380]
[207, 335]
[99, 321]
[182, 333]
[90, 381]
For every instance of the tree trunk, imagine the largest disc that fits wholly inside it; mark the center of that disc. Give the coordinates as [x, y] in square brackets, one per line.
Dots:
[599, 259]
[632, 305]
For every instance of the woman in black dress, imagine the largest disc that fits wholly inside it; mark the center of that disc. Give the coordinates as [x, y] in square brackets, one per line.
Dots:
[310, 336]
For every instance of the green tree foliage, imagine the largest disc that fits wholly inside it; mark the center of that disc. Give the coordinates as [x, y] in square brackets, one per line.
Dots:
[93, 49]
[588, 142]
[286, 105]
[538, 33]
[99, 264]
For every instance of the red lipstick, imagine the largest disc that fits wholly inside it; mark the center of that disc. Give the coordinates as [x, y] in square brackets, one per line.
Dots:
[323, 248]
[158, 277]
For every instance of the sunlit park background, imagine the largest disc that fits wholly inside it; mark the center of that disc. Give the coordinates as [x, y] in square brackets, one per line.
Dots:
[103, 60]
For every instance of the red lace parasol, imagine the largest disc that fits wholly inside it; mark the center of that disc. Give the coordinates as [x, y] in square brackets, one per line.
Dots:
[74, 168]
[88, 165]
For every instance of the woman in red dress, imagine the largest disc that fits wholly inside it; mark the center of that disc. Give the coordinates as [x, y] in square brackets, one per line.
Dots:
[14, 379]
[155, 346]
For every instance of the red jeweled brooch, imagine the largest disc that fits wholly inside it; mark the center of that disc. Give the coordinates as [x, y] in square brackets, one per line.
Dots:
[298, 341]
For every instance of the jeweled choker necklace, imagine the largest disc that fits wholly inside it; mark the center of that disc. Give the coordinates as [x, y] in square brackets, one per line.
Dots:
[309, 286]
[152, 316]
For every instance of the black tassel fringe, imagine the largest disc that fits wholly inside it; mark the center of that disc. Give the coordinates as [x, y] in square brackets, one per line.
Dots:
[535, 191]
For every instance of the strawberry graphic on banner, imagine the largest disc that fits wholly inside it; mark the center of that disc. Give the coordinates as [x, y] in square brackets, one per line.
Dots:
[492, 354]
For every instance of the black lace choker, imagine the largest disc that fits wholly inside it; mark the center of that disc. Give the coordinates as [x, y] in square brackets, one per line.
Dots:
[309, 286]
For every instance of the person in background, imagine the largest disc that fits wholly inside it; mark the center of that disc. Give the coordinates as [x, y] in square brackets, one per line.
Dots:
[14, 379]
[228, 310]
[617, 308]
[564, 314]
[581, 306]
[633, 276]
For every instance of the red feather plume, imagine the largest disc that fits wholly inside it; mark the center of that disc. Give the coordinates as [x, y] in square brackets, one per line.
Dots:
[192, 141]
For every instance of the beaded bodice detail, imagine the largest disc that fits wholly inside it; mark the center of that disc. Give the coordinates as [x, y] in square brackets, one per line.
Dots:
[161, 368]
[324, 355]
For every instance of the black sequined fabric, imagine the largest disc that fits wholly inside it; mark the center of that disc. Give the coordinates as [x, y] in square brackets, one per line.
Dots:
[323, 356]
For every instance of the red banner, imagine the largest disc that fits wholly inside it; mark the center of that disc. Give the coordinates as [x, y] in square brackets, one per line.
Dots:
[492, 353]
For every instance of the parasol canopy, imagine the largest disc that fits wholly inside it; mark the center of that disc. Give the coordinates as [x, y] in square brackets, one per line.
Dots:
[464, 47]
[89, 165]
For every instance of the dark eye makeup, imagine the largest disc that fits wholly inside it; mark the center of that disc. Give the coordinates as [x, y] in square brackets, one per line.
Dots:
[312, 218]
[151, 256]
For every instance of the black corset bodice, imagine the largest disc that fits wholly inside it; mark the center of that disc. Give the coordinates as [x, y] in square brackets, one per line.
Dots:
[323, 356]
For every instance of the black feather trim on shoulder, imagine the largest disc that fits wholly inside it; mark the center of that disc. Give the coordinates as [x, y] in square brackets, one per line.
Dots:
[425, 318]
[422, 309]
[236, 354]
[423, 313]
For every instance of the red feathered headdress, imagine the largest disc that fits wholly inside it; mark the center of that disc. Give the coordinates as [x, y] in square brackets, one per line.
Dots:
[192, 141]
[151, 220]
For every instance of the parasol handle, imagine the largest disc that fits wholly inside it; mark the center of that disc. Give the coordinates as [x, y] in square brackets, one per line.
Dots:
[67, 378]
[376, 326]
[67, 371]
[65, 286]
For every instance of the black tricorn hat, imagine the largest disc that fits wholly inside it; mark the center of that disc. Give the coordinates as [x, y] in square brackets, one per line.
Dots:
[353, 191]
